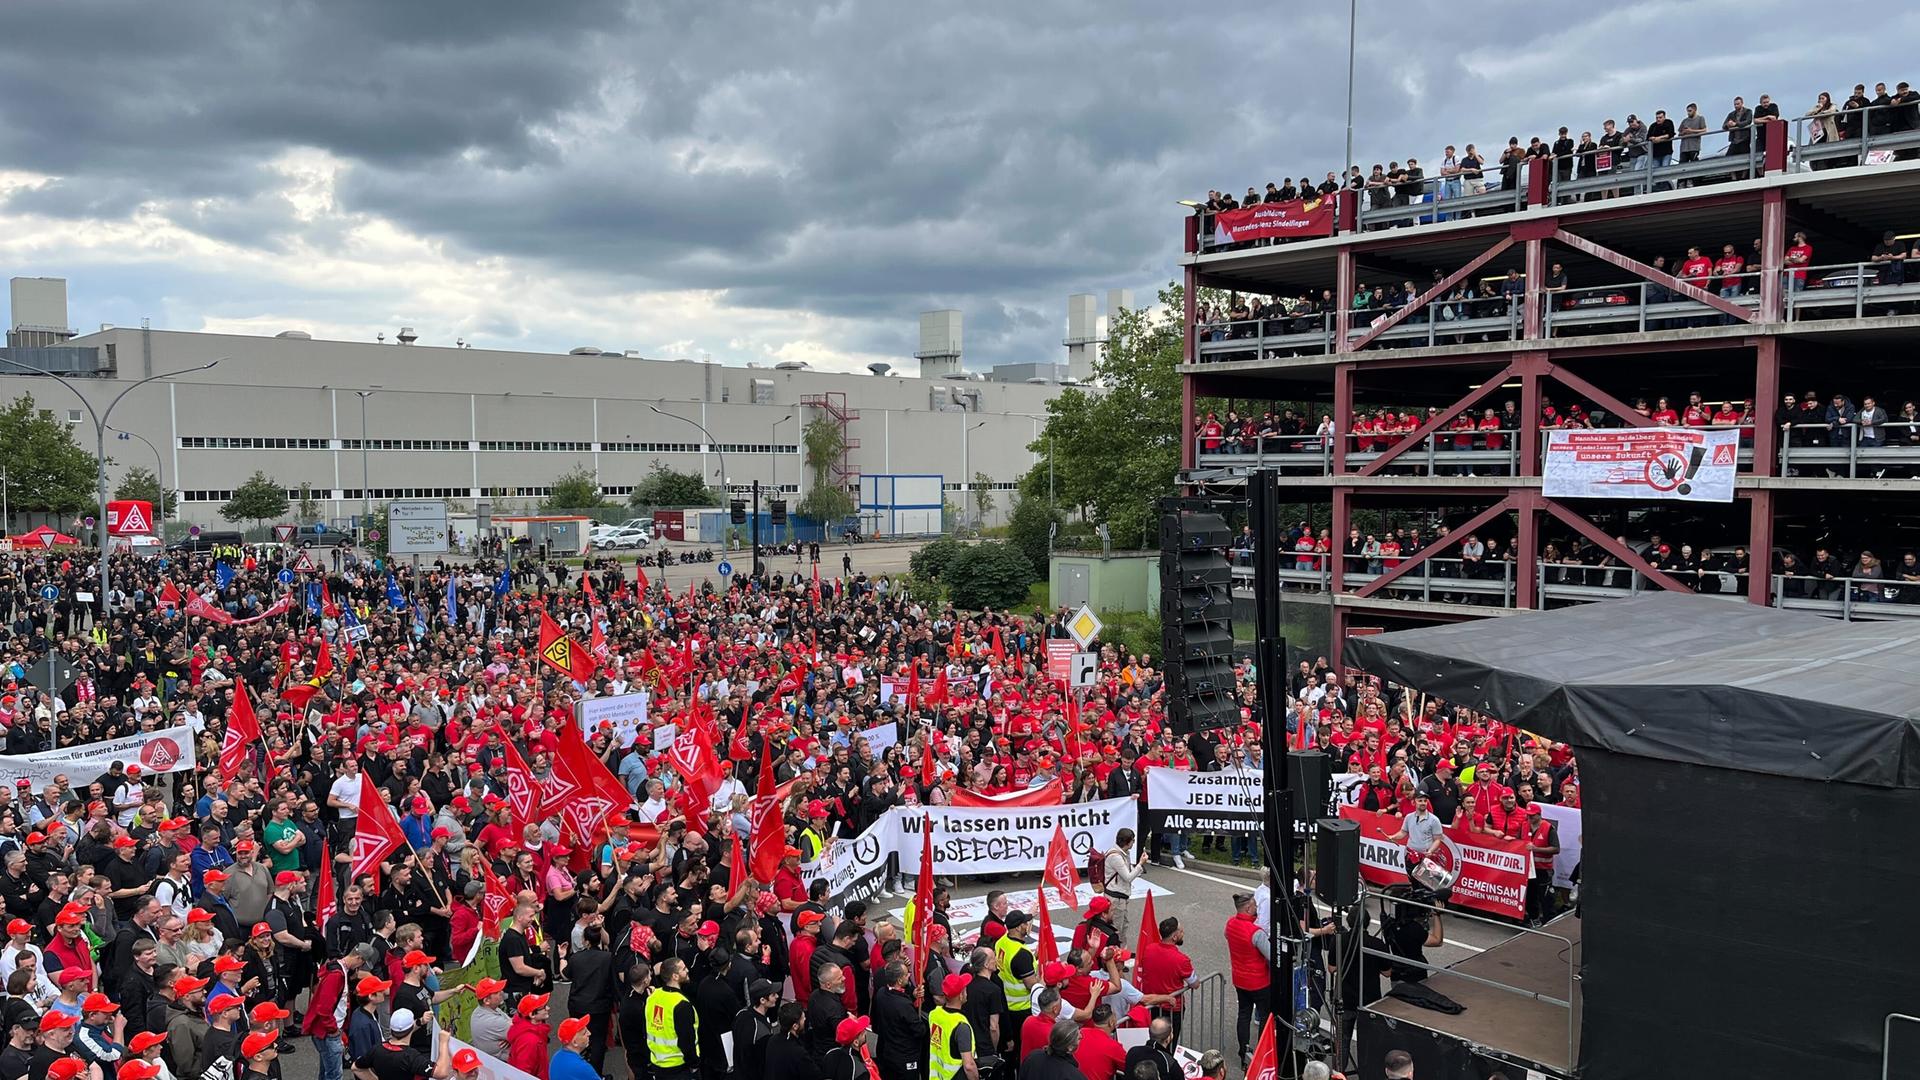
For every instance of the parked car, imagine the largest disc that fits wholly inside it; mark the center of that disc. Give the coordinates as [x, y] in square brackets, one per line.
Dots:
[619, 538]
[313, 535]
[208, 540]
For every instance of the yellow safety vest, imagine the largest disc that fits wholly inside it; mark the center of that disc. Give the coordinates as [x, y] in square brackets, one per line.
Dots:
[663, 1042]
[1017, 999]
[942, 1022]
[811, 844]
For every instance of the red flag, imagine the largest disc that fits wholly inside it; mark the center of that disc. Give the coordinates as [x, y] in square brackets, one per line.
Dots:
[769, 831]
[323, 901]
[596, 793]
[795, 678]
[816, 585]
[640, 576]
[692, 757]
[376, 832]
[289, 659]
[923, 904]
[1051, 793]
[169, 595]
[322, 662]
[243, 730]
[926, 762]
[496, 903]
[938, 695]
[736, 866]
[597, 646]
[298, 696]
[1149, 929]
[739, 749]
[1059, 871]
[327, 607]
[913, 686]
[1265, 1063]
[1046, 949]
[999, 648]
[1074, 729]
[563, 654]
[523, 795]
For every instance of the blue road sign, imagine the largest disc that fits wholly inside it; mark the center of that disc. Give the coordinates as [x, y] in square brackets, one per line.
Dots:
[285, 576]
[49, 592]
[319, 528]
[726, 569]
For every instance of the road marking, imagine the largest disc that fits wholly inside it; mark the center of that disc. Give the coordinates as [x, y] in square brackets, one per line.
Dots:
[1463, 945]
[1236, 885]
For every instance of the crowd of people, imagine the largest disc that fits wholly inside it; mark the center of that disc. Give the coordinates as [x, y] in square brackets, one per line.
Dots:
[203, 921]
[1635, 145]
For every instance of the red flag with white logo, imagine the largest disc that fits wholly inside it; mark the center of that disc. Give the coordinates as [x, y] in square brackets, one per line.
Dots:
[1060, 871]
[1265, 1063]
[769, 830]
[376, 832]
[592, 793]
[523, 794]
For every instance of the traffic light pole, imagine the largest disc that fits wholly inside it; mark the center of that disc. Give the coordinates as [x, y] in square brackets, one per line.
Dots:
[756, 530]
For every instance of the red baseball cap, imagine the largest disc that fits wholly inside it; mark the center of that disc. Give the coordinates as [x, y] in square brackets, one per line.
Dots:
[224, 964]
[65, 1068]
[852, 1030]
[259, 1043]
[267, 1012]
[466, 1060]
[54, 1021]
[571, 1026]
[533, 1003]
[288, 877]
[708, 929]
[187, 984]
[488, 987]
[19, 926]
[260, 928]
[214, 875]
[134, 1068]
[98, 1003]
[371, 985]
[953, 984]
[415, 959]
[124, 841]
[146, 1040]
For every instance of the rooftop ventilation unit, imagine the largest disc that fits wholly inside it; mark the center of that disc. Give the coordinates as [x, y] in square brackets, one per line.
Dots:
[584, 350]
[406, 336]
[879, 367]
[294, 335]
[791, 365]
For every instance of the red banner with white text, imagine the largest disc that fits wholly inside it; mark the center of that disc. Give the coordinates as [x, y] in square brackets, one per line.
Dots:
[1268, 220]
[1493, 871]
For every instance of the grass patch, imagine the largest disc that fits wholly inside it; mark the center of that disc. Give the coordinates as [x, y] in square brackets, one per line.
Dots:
[1040, 595]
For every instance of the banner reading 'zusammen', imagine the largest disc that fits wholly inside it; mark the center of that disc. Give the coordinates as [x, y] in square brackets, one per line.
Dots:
[1227, 801]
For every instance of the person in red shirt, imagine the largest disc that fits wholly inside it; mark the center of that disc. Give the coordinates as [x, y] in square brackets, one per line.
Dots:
[806, 938]
[1210, 432]
[1697, 414]
[1664, 415]
[1162, 968]
[1362, 434]
[1100, 1055]
[1727, 272]
[1250, 968]
[1799, 257]
[1490, 434]
[1508, 819]
[1725, 415]
[1390, 552]
[1697, 270]
[787, 883]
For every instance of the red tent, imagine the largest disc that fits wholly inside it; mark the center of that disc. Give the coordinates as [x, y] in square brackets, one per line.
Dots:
[42, 537]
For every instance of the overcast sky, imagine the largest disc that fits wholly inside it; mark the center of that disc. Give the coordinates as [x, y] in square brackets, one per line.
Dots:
[768, 181]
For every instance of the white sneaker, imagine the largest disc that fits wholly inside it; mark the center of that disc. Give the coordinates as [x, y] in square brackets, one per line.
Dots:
[1179, 863]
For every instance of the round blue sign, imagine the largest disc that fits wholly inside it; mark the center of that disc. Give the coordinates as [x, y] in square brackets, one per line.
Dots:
[726, 569]
[49, 592]
[319, 528]
[286, 577]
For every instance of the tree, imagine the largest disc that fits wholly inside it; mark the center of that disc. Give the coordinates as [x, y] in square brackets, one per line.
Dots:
[1116, 449]
[932, 560]
[575, 489]
[1030, 527]
[670, 487]
[827, 501]
[309, 508]
[47, 472]
[260, 498]
[140, 484]
[990, 574]
[982, 495]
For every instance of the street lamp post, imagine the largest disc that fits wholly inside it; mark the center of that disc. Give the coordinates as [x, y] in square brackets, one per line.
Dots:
[100, 448]
[773, 451]
[160, 472]
[366, 493]
[715, 443]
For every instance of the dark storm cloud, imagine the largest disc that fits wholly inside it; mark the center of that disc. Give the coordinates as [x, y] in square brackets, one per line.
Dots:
[859, 159]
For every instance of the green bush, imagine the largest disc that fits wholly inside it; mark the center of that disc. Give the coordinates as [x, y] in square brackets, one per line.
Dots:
[1136, 632]
[931, 562]
[989, 574]
[1028, 527]
[919, 589]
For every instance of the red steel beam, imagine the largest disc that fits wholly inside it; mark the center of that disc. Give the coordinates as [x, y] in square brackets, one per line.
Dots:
[1465, 530]
[1760, 547]
[1444, 416]
[1427, 297]
[1608, 544]
[1578, 385]
[1634, 266]
[1766, 398]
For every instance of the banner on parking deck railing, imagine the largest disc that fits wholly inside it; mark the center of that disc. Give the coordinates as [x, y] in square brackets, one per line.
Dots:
[982, 840]
[1227, 801]
[1690, 464]
[1493, 871]
[1267, 220]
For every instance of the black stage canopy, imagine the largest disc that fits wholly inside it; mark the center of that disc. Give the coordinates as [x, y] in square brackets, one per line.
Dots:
[1751, 788]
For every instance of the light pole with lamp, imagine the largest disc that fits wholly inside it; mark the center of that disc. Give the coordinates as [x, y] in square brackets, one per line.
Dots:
[966, 465]
[100, 447]
[773, 451]
[366, 493]
[160, 474]
[715, 443]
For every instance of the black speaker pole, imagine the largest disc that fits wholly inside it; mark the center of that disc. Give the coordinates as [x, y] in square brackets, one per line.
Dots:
[1270, 660]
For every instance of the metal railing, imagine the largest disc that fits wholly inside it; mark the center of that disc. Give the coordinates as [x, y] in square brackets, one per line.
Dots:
[1208, 1011]
[1850, 290]
[1438, 455]
[1843, 448]
[1627, 169]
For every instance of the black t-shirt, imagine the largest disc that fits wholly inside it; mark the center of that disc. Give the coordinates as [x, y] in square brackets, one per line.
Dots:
[389, 1062]
[514, 944]
[417, 999]
[1892, 247]
[15, 1062]
[122, 874]
[1406, 938]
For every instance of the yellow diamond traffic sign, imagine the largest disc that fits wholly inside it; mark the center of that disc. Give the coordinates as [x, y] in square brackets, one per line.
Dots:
[1084, 626]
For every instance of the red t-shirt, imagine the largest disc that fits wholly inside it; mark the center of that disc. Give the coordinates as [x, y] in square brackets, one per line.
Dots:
[1665, 416]
[1727, 268]
[1100, 1056]
[1696, 416]
[1726, 416]
[1162, 969]
[1695, 271]
[1496, 439]
[1033, 1034]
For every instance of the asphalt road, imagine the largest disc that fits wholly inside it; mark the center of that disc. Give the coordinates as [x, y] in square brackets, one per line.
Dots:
[870, 558]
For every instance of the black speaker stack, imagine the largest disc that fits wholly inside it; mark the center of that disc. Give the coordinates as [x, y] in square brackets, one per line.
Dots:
[1196, 617]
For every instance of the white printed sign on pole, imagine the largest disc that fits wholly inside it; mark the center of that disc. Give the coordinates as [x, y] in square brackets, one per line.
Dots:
[417, 527]
[879, 737]
[1228, 800]
[626, 712]
[1687, 464]
[1566, 827]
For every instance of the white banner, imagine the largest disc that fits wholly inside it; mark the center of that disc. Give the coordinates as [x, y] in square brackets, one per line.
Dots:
[981, 840]
[1566, 826]
[1690, 464]
[626, 712]
[854, 869]
[879, 737]
[491, 1068]
[1227, 801]
[164, 751]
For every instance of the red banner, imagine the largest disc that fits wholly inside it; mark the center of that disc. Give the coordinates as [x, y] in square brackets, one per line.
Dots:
[1265, 221]
[1493, 872]
[199, 605]
[1047, 794]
